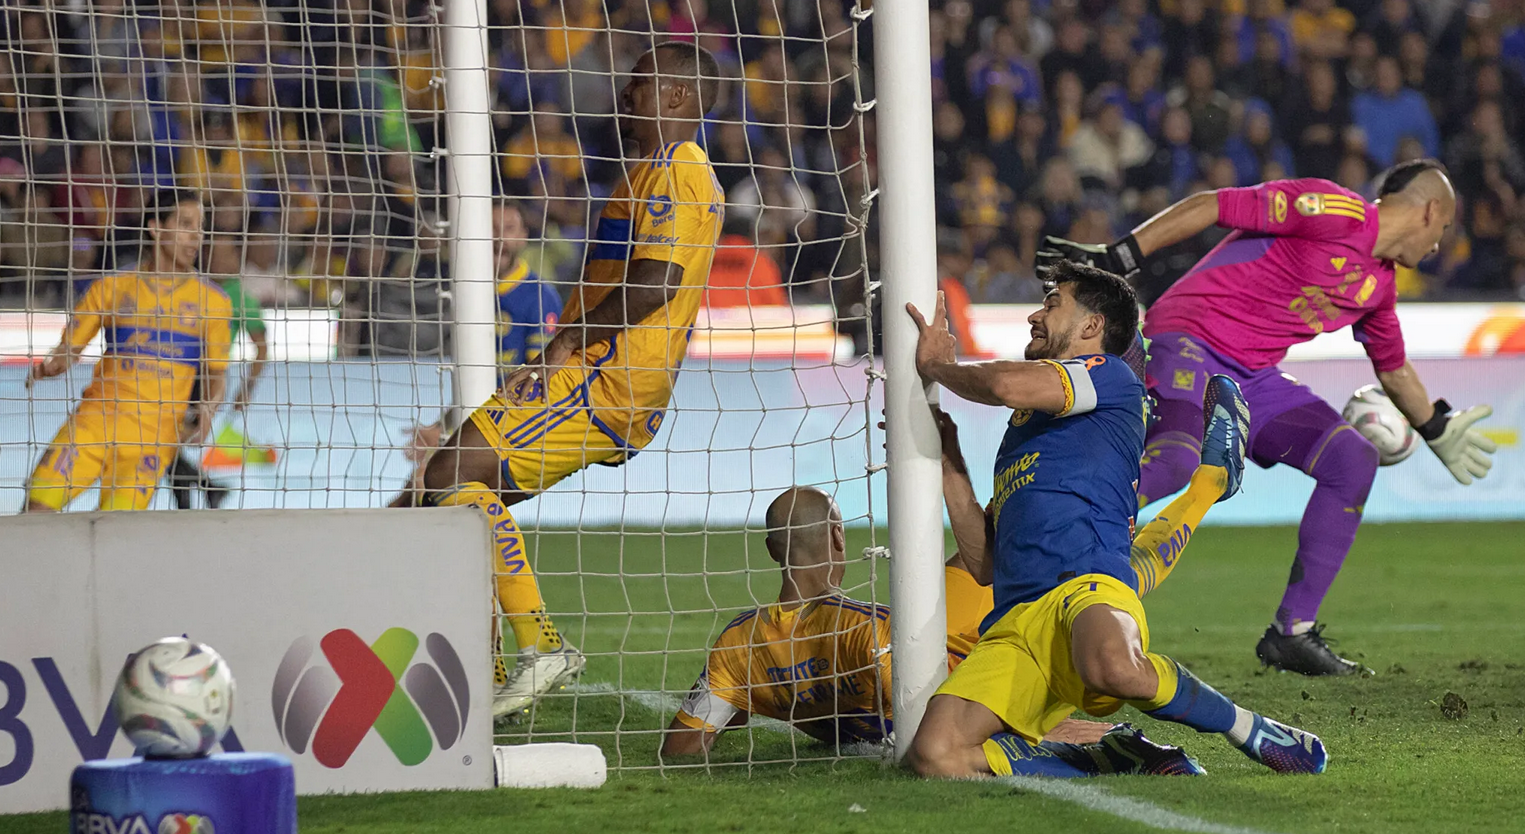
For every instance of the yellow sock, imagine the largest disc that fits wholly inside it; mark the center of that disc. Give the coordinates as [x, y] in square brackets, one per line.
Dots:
[1158, 547]
[518, 594]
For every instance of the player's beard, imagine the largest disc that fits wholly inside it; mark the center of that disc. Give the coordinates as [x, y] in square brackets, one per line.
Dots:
[1054, 346]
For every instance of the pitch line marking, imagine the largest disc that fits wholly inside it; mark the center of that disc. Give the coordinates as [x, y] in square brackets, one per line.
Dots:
[1093, 798]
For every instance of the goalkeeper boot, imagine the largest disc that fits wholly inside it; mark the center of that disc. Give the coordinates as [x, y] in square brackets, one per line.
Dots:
[1307, 653]
[1285, 749]
[535, 675]
[1126, 748]
[1226, 430]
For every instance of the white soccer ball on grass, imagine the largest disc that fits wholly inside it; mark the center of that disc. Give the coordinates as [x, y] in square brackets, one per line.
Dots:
[1379, 421]
[174, 699]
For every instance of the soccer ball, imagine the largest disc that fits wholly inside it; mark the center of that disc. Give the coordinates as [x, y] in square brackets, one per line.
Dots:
[1380, 422]
[174, 699]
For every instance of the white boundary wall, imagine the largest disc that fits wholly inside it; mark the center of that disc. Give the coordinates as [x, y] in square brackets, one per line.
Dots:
[81, 591]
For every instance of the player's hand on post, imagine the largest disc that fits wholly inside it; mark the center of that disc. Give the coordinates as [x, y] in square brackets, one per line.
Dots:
[936, 344]
[1120, 258]
[1463, 449]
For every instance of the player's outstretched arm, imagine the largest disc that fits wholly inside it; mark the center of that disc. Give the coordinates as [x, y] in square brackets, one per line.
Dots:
[84, 322]
[1014, 384]
[649, 286]
[1463, 449]
[682, 740]
[964, 511]
[1187, 218]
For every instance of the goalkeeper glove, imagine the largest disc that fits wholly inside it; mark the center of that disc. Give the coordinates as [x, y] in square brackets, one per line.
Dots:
[1120, 258]
[1463, 449]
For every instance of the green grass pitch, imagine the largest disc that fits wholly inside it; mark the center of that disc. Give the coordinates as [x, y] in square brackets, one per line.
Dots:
[1434, 608]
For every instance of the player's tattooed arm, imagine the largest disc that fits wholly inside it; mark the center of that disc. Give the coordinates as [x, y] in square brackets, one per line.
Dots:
[1035, 385]
[964, 511]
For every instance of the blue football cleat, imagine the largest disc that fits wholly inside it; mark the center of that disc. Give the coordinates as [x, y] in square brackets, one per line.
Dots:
[1285, 749]
[1137, 754]
[1225, 430]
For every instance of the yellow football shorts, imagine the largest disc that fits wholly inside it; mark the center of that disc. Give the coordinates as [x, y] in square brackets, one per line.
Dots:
[1023, 670]
[543, 441]
[126, 445]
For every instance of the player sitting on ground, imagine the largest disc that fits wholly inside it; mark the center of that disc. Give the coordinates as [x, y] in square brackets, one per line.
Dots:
[1306, 257]
[166, 335]
[1068, 630]
[820, 660]
[599, 390]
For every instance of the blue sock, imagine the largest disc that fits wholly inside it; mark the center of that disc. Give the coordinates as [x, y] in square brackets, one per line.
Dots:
[1185, 700]
[1012, 755]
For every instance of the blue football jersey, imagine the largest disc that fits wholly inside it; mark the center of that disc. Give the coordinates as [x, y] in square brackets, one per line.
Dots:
[1066, 484]
[527, 313]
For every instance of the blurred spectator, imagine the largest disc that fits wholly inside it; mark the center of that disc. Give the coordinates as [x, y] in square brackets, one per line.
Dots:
[1058, 196]
[1208, 107]
[1321, 29]
[1105, 147]
[571, 27]
[1019, 162]
[1071, 53]
[774, 198]
[1389, 22]
[543, 143]
[1069, 107]
[743, 275]
[1144, 103]
[1489, 267]
[1172, 167]
[1317, 123]
[954, 264]
[1486, 156]
[1262, 24]
[1256, 145]
[1355, 174]
[1391, 111]
[983, 202]
[1192, 30]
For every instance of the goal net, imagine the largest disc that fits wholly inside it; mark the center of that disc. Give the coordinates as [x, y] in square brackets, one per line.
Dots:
[315, 135]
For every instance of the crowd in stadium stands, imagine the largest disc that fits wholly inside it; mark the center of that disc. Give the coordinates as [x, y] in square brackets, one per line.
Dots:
[311, 124]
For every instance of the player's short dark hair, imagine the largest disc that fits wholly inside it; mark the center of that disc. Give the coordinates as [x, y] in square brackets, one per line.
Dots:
[692, 61]
[1399, 176]
[1101, 292]
[161, 205]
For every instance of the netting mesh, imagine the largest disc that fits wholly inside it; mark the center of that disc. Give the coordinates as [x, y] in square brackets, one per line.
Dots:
[313, 133]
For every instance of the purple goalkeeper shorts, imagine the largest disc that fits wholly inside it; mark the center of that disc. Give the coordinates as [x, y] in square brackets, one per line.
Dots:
[1178, 368]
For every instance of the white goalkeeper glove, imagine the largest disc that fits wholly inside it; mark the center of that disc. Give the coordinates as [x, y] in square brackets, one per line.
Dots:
[1463, 449]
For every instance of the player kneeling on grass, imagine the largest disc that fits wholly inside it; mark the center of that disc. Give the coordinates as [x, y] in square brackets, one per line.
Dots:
[599, 390]
[820, 660]
[1068, 630]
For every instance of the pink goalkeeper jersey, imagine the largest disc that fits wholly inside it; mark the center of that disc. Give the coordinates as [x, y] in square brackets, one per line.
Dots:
[1298, 264]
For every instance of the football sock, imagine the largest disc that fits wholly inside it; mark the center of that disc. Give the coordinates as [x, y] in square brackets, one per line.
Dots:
[1184, 699]
[1012, 755]
[1344, 466]
[518, 594]
[1158, 547]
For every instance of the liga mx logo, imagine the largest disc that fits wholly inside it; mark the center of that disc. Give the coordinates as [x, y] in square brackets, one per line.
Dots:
[332, 705]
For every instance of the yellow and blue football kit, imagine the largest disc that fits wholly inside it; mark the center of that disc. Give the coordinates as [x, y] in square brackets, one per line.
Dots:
[1064, 505]
[161, 331]
[609, 401]
[528, 308]
[823, 666]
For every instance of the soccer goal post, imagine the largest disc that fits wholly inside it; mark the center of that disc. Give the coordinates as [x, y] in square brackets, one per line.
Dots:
[908, 274]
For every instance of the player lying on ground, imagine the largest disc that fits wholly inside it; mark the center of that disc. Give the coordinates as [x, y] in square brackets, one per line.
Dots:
[821, 661]
[166, 335]
[1306, 257]
[1068, 630]
[600, 388]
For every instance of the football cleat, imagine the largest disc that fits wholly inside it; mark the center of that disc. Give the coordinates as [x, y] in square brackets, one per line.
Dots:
[1306, 654]
[1225, 430]
[1285, 749]
[1127, 743]
[535, 675]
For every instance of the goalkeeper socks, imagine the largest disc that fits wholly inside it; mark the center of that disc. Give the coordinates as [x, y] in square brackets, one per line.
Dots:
[1184, 699]
[1012, 755]
[518, 594]
[1158, 547]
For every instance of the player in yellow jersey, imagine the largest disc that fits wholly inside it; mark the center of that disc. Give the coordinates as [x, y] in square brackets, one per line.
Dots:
[599, 390]
[820, 660]
[166, 330]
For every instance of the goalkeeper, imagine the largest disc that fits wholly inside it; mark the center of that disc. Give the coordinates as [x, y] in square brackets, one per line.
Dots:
[600, 388]
[819, 660]
[1306, 257]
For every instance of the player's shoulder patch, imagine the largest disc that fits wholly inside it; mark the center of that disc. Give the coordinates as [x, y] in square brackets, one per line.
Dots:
[1318, 203]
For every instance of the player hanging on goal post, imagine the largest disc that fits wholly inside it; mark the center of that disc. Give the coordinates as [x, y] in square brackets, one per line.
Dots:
[1306, 257]
[600, 388]
[1068, 630]
[167, 335]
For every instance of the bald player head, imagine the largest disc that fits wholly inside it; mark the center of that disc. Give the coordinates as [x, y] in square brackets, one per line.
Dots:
[1417, 204]
[805, 537]
[671, 87]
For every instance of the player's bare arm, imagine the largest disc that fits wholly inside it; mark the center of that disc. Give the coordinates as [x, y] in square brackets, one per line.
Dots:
[1002, 382]
[78, 332]
[682, 740]
[253, 370]
[965, 514]
[649, 285]
[1182, 221]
